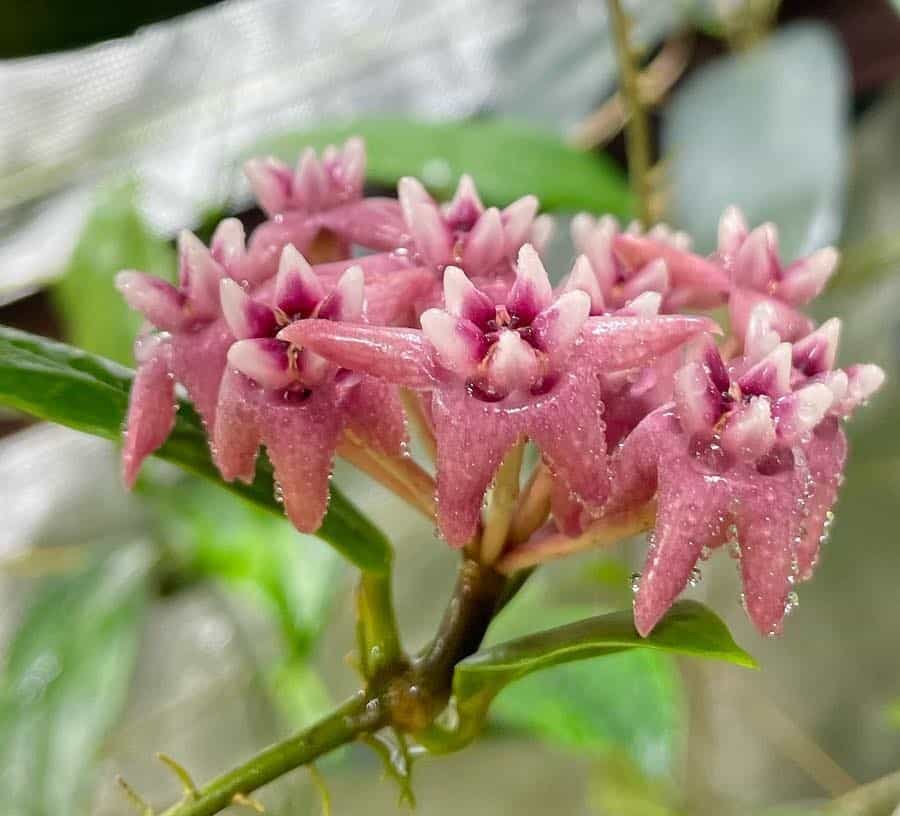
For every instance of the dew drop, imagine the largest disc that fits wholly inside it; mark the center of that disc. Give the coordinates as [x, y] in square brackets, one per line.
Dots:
[635, 581]
[792, 602]
[278, 492]
[695, 577]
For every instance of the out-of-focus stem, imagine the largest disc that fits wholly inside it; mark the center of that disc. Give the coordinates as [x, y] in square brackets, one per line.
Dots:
[878, 798]
[637, 131]
[602, 533]
[534, 505]
[417, 417]
[399, 474]
[503, 504]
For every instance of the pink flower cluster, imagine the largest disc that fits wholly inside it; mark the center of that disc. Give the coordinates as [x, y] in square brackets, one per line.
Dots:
[295, 340]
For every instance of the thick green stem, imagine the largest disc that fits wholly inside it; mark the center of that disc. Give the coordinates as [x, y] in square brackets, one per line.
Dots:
[379, 640]
[357, 716]
[637, 130]
[405, 696]
[463, 626]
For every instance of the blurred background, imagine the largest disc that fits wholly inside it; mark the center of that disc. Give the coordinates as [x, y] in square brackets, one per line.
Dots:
[177, 619]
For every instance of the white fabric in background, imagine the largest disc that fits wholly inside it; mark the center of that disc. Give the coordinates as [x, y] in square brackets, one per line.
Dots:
[179, 102]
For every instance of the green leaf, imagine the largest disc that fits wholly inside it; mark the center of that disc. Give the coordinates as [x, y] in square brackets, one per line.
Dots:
[618, 787]
[63, 384]
[65, 682]
[506, 159]
[688, 629]
[253, 550]
[95, 316]
[630, 703]
[766, 130]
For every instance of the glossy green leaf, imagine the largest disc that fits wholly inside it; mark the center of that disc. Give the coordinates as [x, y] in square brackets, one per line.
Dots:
[766, 130]
[65, 682]
[506, 159]
[63, 384]
[689, 628]
[630, 702]
[115, 237]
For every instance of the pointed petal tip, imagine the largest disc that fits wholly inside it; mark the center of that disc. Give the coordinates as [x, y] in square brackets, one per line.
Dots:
[732, 230]
[771, 375]
[750, 432]
[264, 360]
[863, 379]
[559, 324]
[228, 242]
[156, 299]
[531, 292]
[582, 278]
[485, 245]
[646, 304]
[511, 363]
[459, 345]
[806, 278]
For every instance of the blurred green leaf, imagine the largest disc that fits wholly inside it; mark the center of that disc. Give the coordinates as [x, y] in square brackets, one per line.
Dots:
[689, 628]
[507, 160]
[115, 237]
[251, 551]
[620, 788]
[255, 551]
[893, 713]
[766, 130]
[63, 384]
[630, 702]
[65, 682]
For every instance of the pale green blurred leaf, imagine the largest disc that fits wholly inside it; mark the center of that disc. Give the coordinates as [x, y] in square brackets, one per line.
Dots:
[243, 545]
[64, 384]
[766, 130]
[65, 682]
[630, 702]
[115, 237]
[618, 787]
[506, 159]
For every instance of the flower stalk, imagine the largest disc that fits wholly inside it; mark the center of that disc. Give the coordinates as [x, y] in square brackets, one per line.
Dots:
[504, 498]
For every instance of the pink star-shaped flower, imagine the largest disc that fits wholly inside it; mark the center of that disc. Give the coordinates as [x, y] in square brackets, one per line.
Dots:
[290, 399]
[192, 342]
[752, 261]
[751, 450]
[499, 371]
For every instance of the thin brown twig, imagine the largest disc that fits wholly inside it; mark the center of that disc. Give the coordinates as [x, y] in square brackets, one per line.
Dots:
[656, 80]
[637, 130]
